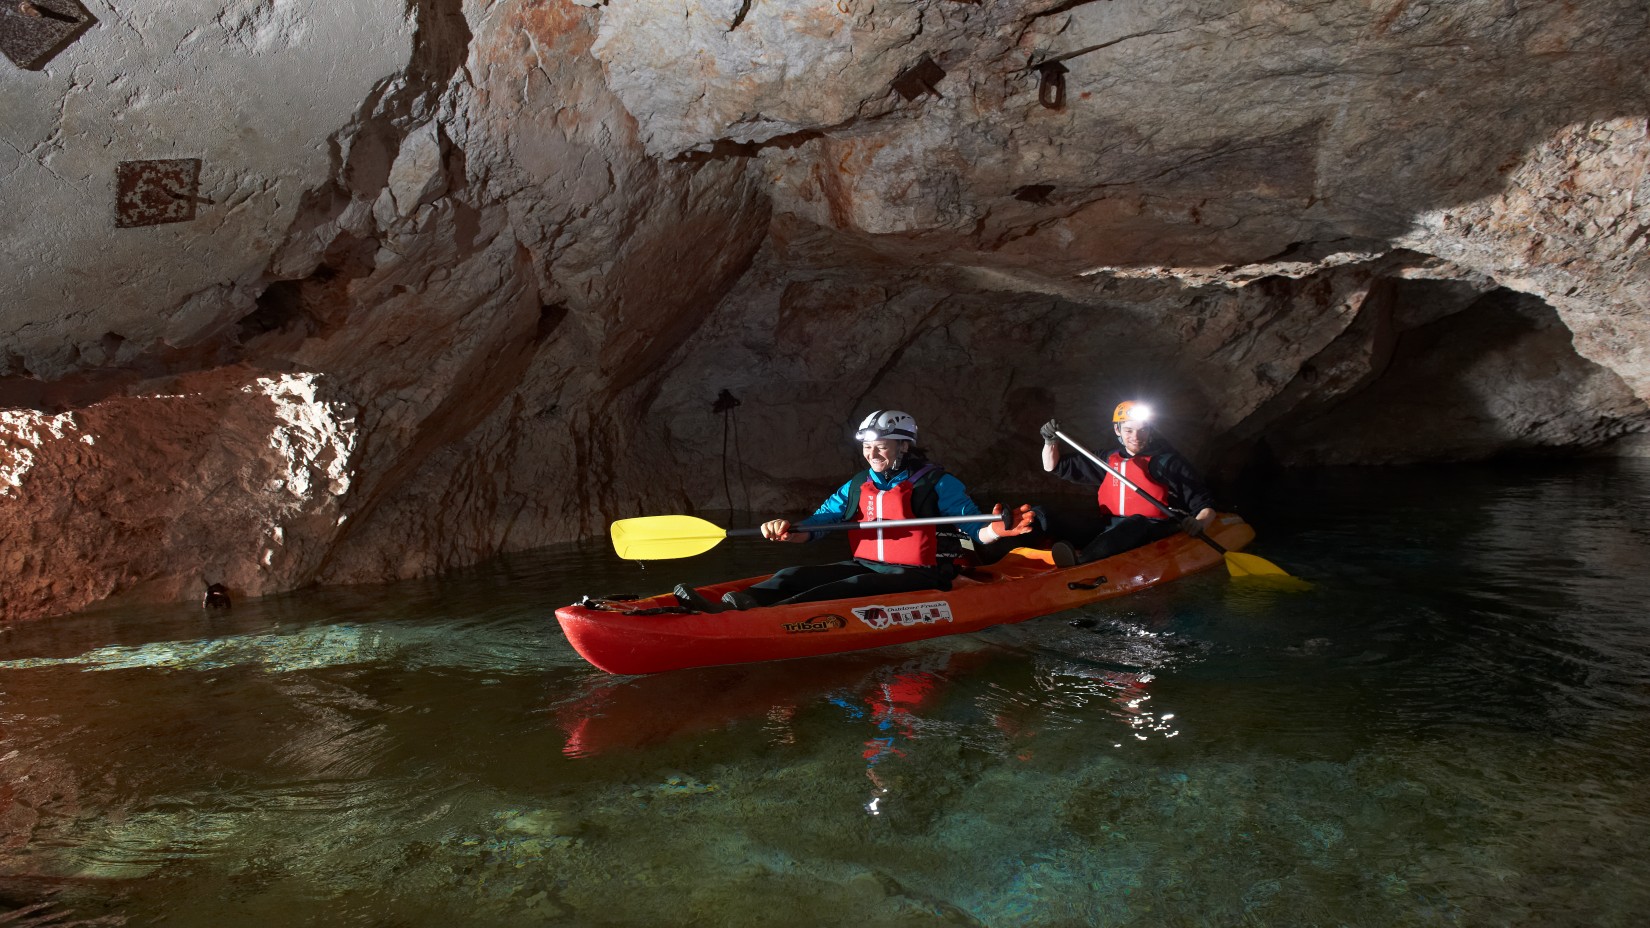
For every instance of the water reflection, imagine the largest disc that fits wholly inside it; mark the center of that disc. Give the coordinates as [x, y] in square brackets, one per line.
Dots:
[628, 714]
[892, 703]
[984, 696]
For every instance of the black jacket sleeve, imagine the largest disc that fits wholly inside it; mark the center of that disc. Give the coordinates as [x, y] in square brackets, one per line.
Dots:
[1176, 473]
[1078, 469]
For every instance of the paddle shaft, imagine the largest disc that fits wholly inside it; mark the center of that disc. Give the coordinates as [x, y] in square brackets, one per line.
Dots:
[1143, 494]
[887, 523]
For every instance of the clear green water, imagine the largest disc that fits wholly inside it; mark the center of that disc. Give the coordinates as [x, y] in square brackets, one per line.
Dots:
[1453, 728]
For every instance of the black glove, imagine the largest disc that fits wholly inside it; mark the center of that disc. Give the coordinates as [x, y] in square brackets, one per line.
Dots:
[1048, 430]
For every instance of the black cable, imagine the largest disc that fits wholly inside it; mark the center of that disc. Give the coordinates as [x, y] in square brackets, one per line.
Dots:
[725, 404]
[727, 492]
[739, 459]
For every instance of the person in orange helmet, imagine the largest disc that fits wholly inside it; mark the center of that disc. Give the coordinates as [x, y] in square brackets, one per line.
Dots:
[1150, 465]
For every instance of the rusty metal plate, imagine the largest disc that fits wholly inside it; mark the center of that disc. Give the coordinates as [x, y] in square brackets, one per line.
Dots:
[148, 193]
[32, 31]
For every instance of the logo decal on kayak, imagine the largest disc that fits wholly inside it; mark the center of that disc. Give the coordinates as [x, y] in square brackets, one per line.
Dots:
[880, 617]
[819, 623]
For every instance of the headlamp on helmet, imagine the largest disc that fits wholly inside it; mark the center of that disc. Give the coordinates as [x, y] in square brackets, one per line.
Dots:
[887, 423]
[1131, 411]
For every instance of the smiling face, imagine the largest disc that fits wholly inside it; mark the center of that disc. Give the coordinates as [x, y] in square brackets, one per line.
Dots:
[884, 454]
[1134, 435]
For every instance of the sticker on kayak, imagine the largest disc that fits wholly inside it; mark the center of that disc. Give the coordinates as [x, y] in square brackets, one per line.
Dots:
[880, 617]
[819, 623]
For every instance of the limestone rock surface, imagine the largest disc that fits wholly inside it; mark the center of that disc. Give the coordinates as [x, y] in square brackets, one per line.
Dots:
[235, 478]
[468, 276]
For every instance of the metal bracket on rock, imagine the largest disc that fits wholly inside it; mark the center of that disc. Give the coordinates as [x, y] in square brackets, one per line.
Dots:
[725, 401]
[1051, 90]
[33, 31]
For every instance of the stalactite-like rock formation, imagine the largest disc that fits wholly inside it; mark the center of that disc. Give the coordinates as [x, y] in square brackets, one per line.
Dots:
[306, 293]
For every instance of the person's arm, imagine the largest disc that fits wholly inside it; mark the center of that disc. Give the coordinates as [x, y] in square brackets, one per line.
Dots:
[1051, 444]
[835, 509]
[1175, 472]
[1077, 469]
[953, 500]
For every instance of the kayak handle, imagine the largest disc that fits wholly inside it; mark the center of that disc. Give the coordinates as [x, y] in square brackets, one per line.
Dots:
[1086, 584]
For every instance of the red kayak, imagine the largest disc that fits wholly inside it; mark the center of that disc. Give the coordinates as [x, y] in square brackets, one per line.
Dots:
[649, 636]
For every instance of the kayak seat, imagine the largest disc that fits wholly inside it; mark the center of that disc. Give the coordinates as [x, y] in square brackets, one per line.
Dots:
[1016, 564]
[1038, 557]
[1023, 562]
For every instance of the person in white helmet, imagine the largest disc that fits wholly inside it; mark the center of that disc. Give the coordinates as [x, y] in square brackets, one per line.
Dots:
[899, 482]
[1148, 464]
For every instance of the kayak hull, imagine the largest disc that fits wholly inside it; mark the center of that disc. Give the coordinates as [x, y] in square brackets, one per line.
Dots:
[1023, 585]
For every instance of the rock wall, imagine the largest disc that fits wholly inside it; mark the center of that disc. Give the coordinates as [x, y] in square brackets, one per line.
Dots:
[240, 477]
[460, 278]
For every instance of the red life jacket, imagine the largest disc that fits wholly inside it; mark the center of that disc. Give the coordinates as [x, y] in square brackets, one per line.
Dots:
[1119, 500]
[915, 546]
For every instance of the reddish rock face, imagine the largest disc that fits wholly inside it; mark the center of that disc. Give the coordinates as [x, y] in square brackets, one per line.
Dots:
[470, 280]
[238, 477]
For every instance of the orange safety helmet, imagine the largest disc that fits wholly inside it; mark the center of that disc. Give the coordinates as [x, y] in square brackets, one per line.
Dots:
[1129, 409]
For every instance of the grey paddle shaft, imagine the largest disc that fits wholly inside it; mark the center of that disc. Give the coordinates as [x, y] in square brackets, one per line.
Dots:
[888, 523]
[1121, 479]
[1143, 494]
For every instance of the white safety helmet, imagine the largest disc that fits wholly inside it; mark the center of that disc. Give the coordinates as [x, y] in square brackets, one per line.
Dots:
[887, 423]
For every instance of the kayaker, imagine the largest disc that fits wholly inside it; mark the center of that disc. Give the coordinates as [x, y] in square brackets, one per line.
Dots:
[1149, 464]
[899, 483]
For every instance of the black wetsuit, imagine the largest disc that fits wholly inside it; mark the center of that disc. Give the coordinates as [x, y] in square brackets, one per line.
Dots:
[1124, 533]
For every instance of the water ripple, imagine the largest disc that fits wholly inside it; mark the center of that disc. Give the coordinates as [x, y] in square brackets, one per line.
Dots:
[413, 646]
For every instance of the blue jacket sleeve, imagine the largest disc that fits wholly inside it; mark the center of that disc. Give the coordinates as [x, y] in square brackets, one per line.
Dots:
[835, 509]
[953, 499]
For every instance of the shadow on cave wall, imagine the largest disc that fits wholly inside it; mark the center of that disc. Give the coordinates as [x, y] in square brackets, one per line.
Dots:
[1499, 378]
[1429, 370]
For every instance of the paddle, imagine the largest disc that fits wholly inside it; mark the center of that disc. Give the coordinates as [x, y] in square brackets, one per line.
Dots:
[658, 538]
[1237, 563]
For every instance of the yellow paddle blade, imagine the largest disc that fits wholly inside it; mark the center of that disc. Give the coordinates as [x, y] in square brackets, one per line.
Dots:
[1249, 566]
[1243, 565]
[659, 538]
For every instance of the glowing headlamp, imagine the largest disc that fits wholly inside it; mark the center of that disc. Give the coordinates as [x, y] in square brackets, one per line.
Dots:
[1130, 411]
